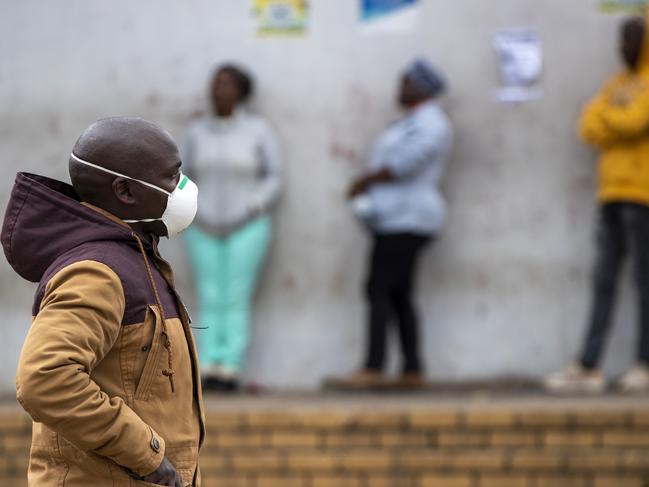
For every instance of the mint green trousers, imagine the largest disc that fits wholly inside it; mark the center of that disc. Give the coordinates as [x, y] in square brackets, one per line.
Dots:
[226, 272]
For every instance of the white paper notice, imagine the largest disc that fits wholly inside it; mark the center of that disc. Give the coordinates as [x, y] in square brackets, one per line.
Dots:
[521, 64]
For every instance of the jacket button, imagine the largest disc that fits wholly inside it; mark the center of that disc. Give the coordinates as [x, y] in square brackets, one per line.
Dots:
[155, 444]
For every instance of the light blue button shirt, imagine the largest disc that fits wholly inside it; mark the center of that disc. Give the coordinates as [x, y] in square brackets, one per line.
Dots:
[416, 149]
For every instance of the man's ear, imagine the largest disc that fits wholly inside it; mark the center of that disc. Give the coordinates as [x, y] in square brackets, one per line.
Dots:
[122, 191]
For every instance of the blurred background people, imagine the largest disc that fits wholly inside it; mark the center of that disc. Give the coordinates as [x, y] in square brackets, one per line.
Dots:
[616, 122]
[399, 200]
[234, 156]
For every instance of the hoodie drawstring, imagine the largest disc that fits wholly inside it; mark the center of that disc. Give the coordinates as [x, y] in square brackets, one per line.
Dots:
[167, 343]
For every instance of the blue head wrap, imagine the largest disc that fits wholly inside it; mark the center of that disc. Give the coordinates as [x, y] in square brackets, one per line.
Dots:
[426, 77]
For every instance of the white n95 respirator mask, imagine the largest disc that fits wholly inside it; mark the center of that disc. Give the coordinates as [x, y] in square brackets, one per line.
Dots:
[182, 202]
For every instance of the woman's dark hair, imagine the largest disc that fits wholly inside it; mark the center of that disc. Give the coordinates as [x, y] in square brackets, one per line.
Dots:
[241, 77]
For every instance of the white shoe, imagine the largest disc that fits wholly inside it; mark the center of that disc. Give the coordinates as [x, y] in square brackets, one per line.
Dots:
[575, 379]
[635, 380]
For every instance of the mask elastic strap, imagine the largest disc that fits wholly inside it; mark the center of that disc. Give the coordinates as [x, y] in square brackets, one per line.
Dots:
[146, 220]
[114, 173]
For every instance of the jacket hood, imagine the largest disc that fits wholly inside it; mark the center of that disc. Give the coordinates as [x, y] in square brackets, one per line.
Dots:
[44, 219]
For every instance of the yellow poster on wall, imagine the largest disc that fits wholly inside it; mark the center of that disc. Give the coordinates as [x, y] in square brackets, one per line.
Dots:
[629, 6]
[280, 17]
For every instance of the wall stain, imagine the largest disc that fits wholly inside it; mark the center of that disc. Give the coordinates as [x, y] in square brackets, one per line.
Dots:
[338, 150]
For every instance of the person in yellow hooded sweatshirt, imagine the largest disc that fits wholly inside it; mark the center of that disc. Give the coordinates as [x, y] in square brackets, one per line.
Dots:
[616, 122]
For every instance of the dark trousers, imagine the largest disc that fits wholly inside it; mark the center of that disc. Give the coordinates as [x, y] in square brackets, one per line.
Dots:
[389, 293]
[623, 228]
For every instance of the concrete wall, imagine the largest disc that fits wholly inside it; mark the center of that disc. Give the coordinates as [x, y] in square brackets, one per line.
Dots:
[505, 289]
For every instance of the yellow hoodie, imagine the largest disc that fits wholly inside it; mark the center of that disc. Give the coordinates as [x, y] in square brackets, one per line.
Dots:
[616, 121]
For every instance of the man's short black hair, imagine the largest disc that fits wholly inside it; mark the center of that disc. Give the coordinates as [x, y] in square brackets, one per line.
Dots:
[242, 78]
[635, 23]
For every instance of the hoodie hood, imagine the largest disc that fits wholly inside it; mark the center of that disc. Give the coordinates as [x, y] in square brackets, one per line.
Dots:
[44, 219]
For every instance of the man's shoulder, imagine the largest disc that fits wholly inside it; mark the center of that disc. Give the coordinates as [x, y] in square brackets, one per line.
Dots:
[111, 253]
[114, 255]
[431, 118]
[617, 80]
[198, 125]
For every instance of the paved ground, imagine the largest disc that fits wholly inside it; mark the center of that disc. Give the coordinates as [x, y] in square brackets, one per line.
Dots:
[442, 400]
[452, 398]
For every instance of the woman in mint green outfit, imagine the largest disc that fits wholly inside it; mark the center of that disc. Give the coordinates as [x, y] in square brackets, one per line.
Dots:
[234, 157]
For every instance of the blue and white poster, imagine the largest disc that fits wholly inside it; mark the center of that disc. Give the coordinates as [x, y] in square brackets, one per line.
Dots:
[389, 16]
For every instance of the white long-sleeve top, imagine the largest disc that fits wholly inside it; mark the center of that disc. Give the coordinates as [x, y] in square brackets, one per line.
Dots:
[236, 163]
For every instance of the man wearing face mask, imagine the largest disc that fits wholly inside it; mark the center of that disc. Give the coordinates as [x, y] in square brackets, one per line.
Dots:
[616, 122]
[108, 371]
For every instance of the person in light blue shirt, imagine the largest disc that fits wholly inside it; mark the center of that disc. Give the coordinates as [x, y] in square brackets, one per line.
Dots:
[399, 200]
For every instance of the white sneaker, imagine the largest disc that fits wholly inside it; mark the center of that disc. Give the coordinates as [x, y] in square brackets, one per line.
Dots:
[635, 380]
[575, 379]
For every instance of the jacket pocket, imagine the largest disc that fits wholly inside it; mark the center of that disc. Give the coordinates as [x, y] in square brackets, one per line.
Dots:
[152, 363]
[184, 457]
[83, 466]
[46, 464]
[142, 483]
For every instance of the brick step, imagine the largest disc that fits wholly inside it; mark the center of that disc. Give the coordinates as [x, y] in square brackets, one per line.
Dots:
[441, 438]
[404, 461]
[435, 480]
[433, 447]
[405, 446]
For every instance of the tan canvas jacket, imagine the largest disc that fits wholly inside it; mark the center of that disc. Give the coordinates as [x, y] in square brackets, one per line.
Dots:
[108, 370]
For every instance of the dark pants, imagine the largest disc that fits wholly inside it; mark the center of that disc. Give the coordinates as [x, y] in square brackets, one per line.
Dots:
[623, 228]
[389, 292]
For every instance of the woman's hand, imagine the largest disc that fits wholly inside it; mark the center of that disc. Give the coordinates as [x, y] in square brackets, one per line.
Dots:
[363, 183]
[359, 186]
